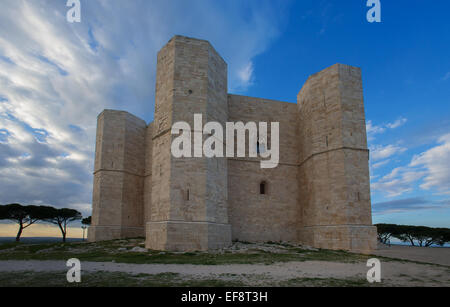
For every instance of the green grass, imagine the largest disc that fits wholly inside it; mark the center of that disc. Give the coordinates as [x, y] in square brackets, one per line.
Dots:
[119, 251]
[108, 279]
[326, 282]
[116, 279]
[109, 251]
[8, 245]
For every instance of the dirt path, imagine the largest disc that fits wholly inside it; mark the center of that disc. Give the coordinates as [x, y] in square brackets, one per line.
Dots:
[414, 253]
[393, 273]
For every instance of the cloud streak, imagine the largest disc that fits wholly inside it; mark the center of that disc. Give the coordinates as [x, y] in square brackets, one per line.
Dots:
[436, 163]
[379, 152]
[55, 77]
[373, 130]
[430, 170]
[408, 204]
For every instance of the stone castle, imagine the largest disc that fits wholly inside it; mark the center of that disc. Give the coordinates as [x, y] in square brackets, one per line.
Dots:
[318, 195]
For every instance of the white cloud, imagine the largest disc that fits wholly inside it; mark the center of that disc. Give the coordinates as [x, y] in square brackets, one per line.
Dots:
[378, 152]
[380, 164]
[246, 75]
[56, 77]
[436, 163]
[430, 170]
[373, 130]
[398, 123]
[399, 181]
[385, 153]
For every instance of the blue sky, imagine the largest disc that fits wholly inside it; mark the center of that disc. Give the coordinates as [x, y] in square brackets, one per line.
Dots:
[55, 77]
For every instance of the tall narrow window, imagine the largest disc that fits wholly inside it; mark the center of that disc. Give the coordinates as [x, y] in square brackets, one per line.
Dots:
[187, 194]
[262, 188]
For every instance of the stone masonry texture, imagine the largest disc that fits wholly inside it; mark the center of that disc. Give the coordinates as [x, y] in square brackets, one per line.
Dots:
[318, 195]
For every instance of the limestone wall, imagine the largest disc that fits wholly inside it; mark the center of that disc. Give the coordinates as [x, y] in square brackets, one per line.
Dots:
[118, 177]
[273, 216]
[160, 134]
[147, 197]
[189, 195]
[333, 172]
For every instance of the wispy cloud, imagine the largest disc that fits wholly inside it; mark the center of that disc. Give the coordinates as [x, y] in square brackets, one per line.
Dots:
[436, 163]
[373, 130]
[408, 204]
[383, 155]
[446, 76]
[399, 181]
[55, 77]
[380, 164]
[378, 152]
[430, 170]
[246, 76]
[398, 123]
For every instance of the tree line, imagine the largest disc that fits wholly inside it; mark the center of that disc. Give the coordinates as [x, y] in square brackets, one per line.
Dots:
[26, 216]
[415, 235]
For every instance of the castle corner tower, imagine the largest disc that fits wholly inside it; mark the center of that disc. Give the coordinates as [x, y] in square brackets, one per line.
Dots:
[189, 209]
[334, 185]
[117, 203]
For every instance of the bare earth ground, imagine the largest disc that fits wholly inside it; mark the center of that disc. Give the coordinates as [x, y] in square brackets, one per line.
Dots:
[393, 273]
[414, 253]
[347, 271]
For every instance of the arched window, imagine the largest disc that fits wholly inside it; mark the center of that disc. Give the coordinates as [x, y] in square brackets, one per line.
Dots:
[263, 188]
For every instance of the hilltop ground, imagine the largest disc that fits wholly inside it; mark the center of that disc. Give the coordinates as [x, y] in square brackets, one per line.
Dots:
[127, 263]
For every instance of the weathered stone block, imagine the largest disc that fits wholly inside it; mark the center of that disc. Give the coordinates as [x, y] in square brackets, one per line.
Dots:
[187, 236]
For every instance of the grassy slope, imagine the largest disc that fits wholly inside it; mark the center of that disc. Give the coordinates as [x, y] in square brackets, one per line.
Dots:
[116, 279]
[119, 251]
